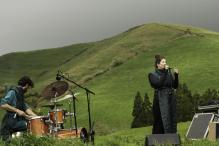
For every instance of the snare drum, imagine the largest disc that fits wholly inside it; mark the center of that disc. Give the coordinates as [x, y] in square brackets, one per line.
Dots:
[37, 126]
[57, 116]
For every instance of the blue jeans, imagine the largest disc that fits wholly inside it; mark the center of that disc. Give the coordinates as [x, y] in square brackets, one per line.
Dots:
[10, 125]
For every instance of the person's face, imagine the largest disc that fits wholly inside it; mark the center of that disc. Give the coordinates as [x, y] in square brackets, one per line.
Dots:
[162, 64]
[26, 88]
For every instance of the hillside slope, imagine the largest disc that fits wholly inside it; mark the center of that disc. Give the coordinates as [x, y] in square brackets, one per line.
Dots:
[116, 68]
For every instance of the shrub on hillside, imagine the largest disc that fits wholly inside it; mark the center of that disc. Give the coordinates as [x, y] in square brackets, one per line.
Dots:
[141, 111]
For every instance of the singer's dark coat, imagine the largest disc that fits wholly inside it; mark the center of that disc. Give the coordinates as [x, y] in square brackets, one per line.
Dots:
[164, 103]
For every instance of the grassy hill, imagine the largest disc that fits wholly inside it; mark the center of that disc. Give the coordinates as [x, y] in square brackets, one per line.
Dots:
[116, 68]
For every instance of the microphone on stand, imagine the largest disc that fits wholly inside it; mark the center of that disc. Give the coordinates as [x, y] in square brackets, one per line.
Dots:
[58, 76]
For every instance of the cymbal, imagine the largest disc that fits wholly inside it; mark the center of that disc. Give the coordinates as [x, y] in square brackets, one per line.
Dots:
[55, 89]
[67, 97]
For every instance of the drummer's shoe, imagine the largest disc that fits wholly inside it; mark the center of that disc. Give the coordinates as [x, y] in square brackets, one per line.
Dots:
[17, 134]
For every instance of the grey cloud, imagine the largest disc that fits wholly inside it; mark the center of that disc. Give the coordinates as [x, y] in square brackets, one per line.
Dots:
[38, 24]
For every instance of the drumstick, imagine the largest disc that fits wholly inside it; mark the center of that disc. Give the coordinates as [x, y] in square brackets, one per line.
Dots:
[15, 115]
[27, 117]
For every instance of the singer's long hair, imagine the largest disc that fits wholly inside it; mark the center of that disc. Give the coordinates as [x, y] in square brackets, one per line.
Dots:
[158, 58]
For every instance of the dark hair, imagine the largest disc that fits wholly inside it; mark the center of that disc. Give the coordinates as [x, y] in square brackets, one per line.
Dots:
[25, 80]
[158, 58]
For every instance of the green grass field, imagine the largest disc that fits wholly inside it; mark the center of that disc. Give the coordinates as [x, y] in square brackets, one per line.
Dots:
[131, 137]
[116, 68]
[136, 137]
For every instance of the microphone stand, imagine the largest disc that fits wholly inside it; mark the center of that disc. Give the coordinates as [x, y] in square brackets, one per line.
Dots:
[88, 92]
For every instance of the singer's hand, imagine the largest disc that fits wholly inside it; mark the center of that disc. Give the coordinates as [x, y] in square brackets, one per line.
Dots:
[176, 71]
[166, 66]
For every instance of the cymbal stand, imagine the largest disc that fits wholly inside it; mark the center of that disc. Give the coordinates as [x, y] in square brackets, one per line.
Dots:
[55, 129]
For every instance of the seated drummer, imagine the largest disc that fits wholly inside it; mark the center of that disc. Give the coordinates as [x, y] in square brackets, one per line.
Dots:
[17, 111]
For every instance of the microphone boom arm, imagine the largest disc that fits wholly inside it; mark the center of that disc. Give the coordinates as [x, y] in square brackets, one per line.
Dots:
[88, 92]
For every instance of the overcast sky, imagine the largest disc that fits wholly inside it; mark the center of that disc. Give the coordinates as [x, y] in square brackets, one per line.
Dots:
[40, 24]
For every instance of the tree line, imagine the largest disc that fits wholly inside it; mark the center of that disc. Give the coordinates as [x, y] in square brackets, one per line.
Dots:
[187, 105]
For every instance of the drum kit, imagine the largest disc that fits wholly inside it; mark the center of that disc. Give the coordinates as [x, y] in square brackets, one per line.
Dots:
[53, 123]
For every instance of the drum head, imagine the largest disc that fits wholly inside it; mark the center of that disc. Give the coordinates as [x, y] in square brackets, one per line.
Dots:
[57, 110]
[38, 117]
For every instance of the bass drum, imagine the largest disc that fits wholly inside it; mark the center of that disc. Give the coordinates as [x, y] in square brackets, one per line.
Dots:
[68, 133]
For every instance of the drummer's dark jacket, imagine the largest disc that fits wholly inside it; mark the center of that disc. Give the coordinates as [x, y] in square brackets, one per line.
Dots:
[15, 98]
[164, 104]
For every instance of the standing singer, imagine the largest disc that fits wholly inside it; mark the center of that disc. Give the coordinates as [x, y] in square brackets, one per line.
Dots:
[164, 102]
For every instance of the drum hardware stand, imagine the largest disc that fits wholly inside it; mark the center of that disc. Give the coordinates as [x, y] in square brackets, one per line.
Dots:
[70, 112]
[74, 111]
[88, 92]
[55, 129]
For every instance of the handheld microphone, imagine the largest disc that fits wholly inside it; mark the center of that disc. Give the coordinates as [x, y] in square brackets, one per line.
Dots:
[167, 67]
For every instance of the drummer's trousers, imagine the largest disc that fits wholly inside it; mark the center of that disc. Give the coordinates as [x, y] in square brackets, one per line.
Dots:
[10, 125]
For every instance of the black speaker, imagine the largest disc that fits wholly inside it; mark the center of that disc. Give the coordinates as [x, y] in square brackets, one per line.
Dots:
[198, 128]
[158, 139]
